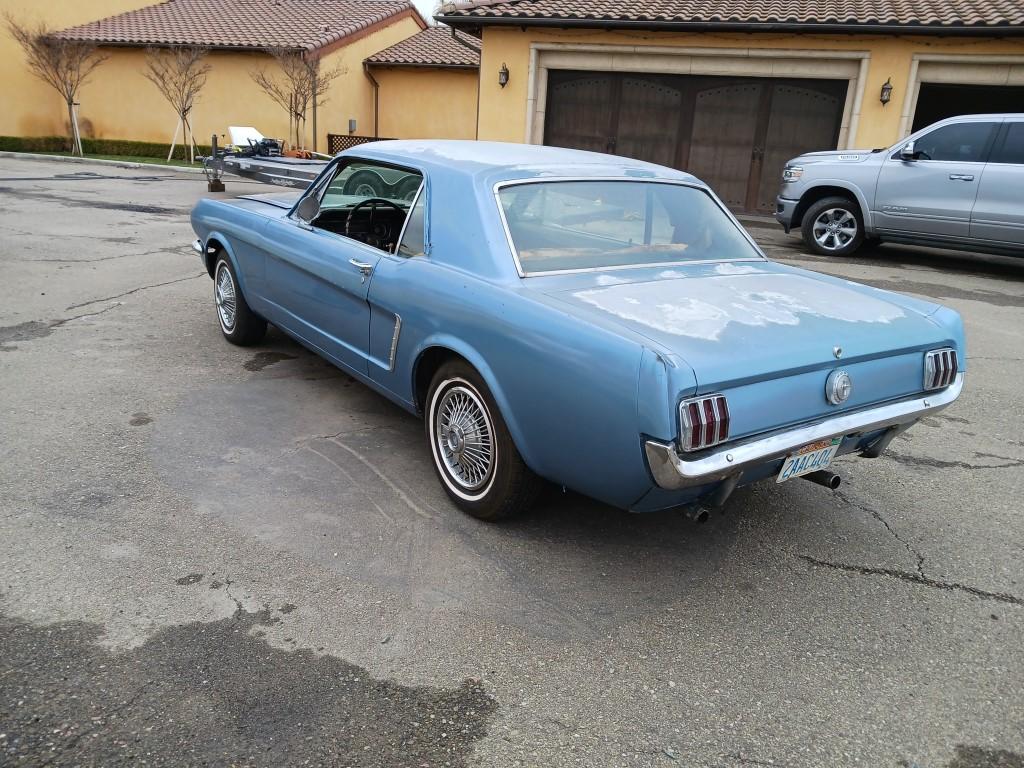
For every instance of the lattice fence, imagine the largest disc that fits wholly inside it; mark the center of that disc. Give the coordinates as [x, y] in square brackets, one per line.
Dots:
[337, 142]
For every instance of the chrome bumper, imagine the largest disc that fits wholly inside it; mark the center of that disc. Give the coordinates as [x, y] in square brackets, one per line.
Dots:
[197, 246]
[673, 471]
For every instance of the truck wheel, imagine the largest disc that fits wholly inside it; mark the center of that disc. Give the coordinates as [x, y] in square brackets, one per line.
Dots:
[473, 452]
[239, 324]
[833, 227]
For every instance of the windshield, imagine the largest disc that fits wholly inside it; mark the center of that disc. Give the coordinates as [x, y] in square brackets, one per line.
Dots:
[569, 225]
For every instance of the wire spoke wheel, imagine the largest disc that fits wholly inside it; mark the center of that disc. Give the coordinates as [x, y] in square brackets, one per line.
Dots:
[226, 296]
[834, 228]
[465, 438]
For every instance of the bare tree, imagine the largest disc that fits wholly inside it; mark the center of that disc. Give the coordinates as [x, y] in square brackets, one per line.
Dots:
[300, 85]
[63, 64]
[179, 74]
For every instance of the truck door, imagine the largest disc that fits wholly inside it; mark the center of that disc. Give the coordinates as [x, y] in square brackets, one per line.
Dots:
[999, 210]
[933, 193]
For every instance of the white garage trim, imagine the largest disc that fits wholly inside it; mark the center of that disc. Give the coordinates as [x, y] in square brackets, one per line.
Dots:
[957, 69]
[740, 62]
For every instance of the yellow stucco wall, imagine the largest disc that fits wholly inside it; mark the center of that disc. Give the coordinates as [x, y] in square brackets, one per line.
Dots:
[503, 112]
[27, 106]
[427, 103]
[118, 102]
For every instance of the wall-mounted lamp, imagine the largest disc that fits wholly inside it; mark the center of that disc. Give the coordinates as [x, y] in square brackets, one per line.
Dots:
[503, 76]
[886, 93]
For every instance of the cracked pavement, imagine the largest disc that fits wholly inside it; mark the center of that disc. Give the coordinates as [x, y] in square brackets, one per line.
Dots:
[214, 555]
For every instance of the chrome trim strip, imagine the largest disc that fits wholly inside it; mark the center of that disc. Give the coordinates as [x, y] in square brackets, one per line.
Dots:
[394, 343]
[408, 215]
[673, 472]
[696, 184]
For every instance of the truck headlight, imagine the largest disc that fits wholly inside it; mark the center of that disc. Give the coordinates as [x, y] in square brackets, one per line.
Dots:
[791, 173]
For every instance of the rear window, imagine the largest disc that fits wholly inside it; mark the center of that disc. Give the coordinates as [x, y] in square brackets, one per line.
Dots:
[573, 225]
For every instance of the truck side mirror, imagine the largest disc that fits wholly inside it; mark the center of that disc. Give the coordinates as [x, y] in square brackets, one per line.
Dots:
[908, 153]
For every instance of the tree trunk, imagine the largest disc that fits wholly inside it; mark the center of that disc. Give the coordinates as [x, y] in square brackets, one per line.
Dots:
[76, 147]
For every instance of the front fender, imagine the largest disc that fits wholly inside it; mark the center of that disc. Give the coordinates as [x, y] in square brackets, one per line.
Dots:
[229, 251]
[846, 186]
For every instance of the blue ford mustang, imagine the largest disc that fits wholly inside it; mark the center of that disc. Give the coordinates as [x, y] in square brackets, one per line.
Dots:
[598, 322]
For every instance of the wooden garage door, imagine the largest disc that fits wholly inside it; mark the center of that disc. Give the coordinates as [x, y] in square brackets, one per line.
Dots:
[734, 133]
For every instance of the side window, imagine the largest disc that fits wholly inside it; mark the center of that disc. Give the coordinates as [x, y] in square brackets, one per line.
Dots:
[365, 201]
[962, 142]
[413, 241]
[1012, 150]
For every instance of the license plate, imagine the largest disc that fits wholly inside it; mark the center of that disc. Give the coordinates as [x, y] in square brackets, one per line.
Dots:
[810, 458]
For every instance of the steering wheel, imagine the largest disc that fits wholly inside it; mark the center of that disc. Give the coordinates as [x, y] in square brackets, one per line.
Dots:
[373, 201]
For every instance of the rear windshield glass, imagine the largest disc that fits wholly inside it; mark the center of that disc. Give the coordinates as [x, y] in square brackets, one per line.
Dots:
[563, 225]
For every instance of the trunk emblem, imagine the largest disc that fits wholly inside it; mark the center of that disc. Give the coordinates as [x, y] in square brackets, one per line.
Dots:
[838, 387]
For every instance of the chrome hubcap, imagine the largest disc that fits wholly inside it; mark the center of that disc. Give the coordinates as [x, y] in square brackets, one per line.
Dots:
[835, 228]
[465, 439]
[225, 296]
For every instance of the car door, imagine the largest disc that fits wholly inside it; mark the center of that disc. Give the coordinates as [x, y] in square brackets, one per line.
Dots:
[932, 195]
[317, 276]
[999, 210]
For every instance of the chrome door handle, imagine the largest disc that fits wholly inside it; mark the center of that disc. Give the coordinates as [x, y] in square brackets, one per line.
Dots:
[961, 176]
[362, 266]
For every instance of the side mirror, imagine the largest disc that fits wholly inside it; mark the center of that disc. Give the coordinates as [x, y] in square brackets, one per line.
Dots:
[908, 153]
[308, 208]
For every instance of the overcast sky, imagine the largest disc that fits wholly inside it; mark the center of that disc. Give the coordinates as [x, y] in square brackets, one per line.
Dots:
[426, 7]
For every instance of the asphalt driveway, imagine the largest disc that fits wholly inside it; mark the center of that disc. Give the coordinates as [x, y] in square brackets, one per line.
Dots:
[221, 556]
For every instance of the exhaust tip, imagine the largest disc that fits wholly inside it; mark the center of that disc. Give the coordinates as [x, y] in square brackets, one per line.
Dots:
[823, 477]
[697, 513]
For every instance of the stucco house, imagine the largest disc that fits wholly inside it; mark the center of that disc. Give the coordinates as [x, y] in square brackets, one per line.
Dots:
[730, 89]
[427, 86]
[119, 102]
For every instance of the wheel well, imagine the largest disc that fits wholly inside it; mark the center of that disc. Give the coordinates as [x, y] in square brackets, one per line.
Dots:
[814, 195]
[213, 249]
[428, 363]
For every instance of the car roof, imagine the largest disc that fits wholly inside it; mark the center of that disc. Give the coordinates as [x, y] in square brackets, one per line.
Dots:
[494, 161]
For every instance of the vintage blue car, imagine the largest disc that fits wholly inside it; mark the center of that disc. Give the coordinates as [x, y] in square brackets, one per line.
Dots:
[597, 322]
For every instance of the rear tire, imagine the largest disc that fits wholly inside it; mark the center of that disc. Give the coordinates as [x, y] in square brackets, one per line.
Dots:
[833, 226]
[474, 456]
[239, 324]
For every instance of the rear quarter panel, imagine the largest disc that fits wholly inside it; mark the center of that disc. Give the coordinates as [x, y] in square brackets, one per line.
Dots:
[566, 389]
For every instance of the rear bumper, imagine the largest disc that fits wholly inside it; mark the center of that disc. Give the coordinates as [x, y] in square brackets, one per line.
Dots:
[674, 471]
[784, 209]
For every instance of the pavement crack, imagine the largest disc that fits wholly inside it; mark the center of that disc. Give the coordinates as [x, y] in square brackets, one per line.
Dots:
[136, 290]
[921, 461]
[880, 518]
[916, 578]
[239, 610]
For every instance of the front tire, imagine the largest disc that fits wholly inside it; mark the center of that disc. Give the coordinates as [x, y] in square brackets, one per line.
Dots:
[239, 324]
[474, 456]
[833, 226]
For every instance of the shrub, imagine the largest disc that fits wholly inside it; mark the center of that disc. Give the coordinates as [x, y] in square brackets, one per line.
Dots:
[95, 146]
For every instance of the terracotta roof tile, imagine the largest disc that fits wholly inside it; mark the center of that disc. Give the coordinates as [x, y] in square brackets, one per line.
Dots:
[308, 24]
[433, 47]
[888, 13]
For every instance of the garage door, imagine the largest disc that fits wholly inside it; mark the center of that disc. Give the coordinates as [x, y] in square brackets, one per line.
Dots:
[734, 133]
[937, 101]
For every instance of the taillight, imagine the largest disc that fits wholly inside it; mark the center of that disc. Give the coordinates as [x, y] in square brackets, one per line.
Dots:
[939, 368]
[703, 422]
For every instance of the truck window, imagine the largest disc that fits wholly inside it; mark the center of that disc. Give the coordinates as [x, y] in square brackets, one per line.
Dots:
[958, 142]
[1012, 150]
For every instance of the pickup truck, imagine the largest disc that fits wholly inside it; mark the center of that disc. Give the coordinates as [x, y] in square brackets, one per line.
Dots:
[958, 183]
